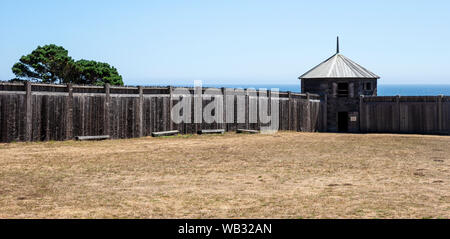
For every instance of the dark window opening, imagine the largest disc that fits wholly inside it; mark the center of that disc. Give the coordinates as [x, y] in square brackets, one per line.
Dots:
[342, 90]
[342, 121]
[368, 86]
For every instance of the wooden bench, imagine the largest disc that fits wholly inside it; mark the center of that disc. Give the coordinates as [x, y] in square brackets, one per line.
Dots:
[165, 133]
[249, 131]
[98, 137]
[211, 131]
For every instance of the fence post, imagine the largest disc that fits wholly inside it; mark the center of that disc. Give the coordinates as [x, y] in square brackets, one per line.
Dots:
[69, 115]
[198, 106]
[361, 123]
[440, 118]
[141, 110]
[29, 112]
[399, 125]
[325, 113]
[308, 113]
[106, 112]
[247, 110]
[289, 110]
[224, 109]
[170, 107]
[269, 108]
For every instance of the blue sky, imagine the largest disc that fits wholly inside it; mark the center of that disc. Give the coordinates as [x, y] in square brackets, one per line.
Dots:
[234, 42]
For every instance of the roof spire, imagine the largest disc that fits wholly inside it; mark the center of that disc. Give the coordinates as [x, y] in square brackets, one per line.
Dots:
[337, 45]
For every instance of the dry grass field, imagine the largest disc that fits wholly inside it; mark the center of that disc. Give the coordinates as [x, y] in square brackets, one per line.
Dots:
[286, 175]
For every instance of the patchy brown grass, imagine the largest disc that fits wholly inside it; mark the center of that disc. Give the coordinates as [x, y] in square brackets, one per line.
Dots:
[286, 175]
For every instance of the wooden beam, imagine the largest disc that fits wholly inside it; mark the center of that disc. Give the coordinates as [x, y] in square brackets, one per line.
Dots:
[239, 131]
[212, 131]
[98, 137]
[165, 133]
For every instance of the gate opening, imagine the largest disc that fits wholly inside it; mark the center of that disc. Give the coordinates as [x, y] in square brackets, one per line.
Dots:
[342, 121]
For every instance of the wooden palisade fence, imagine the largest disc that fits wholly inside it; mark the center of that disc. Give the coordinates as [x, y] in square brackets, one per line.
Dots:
[405, 114]
[40, 112]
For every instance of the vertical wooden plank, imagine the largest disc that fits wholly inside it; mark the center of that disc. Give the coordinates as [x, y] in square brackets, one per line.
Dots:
[361, 119]
[82, 115]
[258, 110]
[146, 117]
[123, 126]
[351, 90]
[247, 110]
[289, 111]
[308, 113]
[10, 118]
[334, 89]
[69, 115]
[404, 111]
[367, 116]
[3, 119]
[399, 118]
[224, 108]
[198, 106]
[294, 114]
[46, 102]
[269, 107]
[165, 113]
[133, 109]
[51, 118]
[141, 111]
[325, 113]
[153, 114]
[440, 119]
[192, 124]
[116, 115]
[171, 125]
[29, 111]
[106, 110]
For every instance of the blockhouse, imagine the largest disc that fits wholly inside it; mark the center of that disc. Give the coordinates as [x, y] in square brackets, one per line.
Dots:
[340, 82]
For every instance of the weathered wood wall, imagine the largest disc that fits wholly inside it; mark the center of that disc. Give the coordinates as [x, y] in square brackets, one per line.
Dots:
[41, 112]
[405, 114]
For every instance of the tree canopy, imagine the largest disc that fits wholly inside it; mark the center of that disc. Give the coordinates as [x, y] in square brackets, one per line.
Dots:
[97, 73]
[48, 64]
[52, 64]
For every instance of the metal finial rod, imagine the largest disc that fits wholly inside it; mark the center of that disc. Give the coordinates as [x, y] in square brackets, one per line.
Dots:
[337, 45]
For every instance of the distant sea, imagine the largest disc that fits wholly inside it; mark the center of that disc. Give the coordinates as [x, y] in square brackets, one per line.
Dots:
[383, 90]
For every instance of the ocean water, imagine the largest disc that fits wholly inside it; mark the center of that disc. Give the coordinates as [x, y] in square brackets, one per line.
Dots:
[413, 90]
[383, 90]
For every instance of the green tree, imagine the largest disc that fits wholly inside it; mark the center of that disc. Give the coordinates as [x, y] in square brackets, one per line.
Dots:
[52, 64]
[97, 73]
[48, 64]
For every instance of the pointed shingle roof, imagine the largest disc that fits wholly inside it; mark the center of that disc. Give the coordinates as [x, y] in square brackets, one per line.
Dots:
[338, 66]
